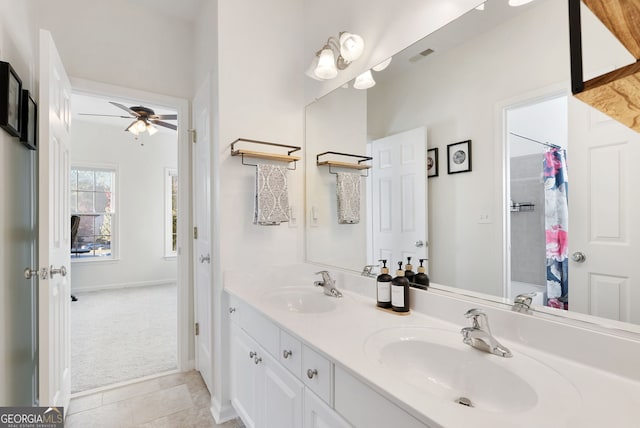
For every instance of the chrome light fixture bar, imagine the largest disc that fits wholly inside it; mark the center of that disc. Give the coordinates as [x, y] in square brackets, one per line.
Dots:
[336, 54]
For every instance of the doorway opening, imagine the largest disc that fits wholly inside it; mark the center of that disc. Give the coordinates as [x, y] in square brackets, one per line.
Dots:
[536, 204]
[125, 262]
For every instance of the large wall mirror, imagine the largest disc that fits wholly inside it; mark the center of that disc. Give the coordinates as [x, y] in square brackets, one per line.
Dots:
[500, 78]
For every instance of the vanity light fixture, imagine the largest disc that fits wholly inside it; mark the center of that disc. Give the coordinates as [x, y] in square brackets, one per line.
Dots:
[384, 64]
[516, 3]
[364, 81]
[336, 54]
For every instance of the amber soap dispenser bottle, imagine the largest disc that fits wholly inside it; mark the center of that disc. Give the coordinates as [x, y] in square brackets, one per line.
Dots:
[400, 291]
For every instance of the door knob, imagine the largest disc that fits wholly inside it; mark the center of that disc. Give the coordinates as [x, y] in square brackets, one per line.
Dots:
[421, 243]
[578, 257]
[206, 258]
[62, 271]
[30, 273]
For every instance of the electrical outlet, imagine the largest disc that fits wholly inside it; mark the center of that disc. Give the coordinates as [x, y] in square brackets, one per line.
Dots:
[293, 221]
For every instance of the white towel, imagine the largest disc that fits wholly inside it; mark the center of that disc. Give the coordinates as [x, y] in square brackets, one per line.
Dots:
[348, 192]
[272, 195]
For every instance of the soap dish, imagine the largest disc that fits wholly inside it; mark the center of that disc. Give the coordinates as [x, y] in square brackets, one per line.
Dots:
[391, 311]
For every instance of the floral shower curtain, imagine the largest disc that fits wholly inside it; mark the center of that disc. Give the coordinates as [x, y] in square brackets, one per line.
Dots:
[556, 227]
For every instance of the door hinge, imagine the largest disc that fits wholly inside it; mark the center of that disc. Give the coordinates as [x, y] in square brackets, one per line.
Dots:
[197, 329]
[194, 135]
[195, 232]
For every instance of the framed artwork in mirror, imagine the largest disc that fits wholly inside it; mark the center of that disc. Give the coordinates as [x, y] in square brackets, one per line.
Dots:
[28, 121]
[432, 162]
[459, 157]
[10, 94]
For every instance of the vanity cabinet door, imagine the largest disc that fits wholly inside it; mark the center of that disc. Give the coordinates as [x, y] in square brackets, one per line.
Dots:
[264, 393]
[318, 415]
[282, 397]
[244, 376]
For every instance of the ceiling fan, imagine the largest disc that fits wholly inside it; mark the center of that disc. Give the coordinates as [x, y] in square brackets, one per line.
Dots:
[144, 119]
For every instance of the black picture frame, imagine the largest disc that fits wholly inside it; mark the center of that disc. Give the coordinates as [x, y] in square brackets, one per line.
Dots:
[10, 97]
[432, 162]
[29, 121]
[459, 157]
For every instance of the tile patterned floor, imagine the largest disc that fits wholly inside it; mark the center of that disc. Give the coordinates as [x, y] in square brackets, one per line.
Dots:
[178, 400]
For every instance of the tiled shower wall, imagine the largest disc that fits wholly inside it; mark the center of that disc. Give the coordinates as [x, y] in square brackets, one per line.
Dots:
[527, 227]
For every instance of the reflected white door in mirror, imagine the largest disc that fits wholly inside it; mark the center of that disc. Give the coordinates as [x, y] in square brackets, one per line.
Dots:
[399, 197]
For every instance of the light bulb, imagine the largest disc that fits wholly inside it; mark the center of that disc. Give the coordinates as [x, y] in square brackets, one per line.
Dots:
[515, 3]
[326, 68]
[151, 129]
[384, 64]
[364, 81]
[140, 126]
[133, 128]
[351, 46]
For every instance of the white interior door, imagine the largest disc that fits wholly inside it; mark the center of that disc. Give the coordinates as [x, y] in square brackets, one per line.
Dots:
[54, 228]
[602, 161]
[399, 197]
[202, 221]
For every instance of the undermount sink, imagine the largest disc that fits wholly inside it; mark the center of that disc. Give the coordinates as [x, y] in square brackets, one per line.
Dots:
[307, 300]
[435, 361]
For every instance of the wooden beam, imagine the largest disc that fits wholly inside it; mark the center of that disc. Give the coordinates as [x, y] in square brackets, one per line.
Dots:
[616, 94]
[622, 18]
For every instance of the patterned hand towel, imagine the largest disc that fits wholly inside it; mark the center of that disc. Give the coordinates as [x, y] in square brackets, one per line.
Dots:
[348, 192]
[272, 195]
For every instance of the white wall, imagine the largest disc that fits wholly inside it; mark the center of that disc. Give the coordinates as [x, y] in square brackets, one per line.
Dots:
[140, 205]
[121, 42]
[17, 232]
[337, 123]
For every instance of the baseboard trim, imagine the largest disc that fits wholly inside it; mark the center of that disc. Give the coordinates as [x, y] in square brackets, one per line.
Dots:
[222, 412]
[123, 285]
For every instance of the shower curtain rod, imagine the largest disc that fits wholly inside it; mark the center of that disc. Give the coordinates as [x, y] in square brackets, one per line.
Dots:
[536, 141]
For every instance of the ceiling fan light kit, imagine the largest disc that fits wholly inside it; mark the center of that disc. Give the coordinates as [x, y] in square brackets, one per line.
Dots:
[145, 119]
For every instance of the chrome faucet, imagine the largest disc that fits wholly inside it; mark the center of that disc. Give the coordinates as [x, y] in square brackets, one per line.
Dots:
[479, 335]
[368, 271]
[328, 284]
[522, 303]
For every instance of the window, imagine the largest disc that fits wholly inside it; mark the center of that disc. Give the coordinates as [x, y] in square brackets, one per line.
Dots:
[93, 200]
[171, 213]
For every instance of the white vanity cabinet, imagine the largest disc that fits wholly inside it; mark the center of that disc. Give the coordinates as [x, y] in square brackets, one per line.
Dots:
[275, 377]
[263, 393]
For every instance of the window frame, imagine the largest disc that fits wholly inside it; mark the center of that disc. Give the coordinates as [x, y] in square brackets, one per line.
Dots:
[115, 189]
[169, 173]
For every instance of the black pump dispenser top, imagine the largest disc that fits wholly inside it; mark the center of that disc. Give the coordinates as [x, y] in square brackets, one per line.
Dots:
[409, 273]
[384, 269]
[421, 277]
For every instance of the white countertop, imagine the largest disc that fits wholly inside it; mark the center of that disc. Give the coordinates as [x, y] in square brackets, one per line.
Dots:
[601, 398]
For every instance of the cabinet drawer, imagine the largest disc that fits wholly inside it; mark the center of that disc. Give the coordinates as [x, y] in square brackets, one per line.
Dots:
[265, 332]
[317, 373]
[364, 407]
[290, 354]
[234, 308]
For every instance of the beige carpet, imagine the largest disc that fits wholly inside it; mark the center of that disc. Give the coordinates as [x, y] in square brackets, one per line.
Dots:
[122, 334]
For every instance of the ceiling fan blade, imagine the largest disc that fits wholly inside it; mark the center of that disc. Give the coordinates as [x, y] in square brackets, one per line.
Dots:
[165, 124]
[105, 115]
[164, 116]
[125, 108]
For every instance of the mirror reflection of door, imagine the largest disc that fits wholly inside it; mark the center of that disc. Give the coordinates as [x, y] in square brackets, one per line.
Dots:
[399, 198]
